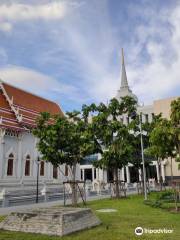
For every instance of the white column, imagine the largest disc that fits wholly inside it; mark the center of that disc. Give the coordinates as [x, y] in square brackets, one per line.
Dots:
[101, 174]
[140, 174]
[97, 174]
[35, 159]
[92, 174]
[162, 172]
[157, 171]
[59, 173]
[2, 160]
[128, 174]
[19, 165]
[46, 170]
[93, 178]
[122, 174]
[83, 176]
[49, 170]
[34, 173]
[104, 175]
[78, 172]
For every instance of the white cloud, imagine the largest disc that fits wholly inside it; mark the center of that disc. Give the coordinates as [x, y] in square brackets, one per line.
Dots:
[5, 26]
[82, 47]
[3, 56]
[14, 12]
[88, 38]
[159, 76]
[35, 82]
[17, 11]
[152, 52]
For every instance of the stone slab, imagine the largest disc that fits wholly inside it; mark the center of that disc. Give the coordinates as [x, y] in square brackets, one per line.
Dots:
[58, 221]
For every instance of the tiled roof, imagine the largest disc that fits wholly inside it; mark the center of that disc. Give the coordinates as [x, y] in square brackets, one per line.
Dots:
[24, 104]
[30, 101]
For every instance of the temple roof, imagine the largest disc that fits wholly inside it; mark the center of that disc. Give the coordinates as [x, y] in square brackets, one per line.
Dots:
[19, 109]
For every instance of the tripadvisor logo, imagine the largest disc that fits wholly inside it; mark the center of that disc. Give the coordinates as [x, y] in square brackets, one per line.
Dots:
[139, 231]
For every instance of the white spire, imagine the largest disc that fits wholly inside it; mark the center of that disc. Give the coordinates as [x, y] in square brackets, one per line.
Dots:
[124, 88]
[124, 82]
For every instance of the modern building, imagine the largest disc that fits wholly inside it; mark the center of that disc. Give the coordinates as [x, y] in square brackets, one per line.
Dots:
[19, 110]
[129, 173]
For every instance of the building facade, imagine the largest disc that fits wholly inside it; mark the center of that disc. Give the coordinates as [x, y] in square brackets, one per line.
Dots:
[129, 174]
[18, 152]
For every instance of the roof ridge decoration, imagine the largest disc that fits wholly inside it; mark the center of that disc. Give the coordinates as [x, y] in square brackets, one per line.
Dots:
[25, 107]
[26, 99]
[10, 102]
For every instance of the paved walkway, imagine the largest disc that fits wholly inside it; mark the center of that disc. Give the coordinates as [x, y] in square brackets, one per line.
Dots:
[8, 210]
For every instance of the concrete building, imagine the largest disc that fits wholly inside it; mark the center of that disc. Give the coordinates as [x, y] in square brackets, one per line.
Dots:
[129, 174]
[18, 152]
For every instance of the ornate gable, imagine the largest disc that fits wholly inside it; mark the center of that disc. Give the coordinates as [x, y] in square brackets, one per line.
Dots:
[19, 109]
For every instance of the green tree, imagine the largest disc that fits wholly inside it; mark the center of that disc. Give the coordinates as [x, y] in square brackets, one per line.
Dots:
[162, 141]
[109, 135]
[63, 141]
[165, 136]
[175, 119]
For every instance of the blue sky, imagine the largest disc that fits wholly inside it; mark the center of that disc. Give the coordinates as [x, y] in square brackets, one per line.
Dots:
[69, 50]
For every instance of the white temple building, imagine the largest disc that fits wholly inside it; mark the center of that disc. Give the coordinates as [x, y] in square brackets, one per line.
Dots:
[19, 110]
[129, 173]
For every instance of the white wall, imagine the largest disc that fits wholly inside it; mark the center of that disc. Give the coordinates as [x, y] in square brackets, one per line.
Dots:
[21, 146]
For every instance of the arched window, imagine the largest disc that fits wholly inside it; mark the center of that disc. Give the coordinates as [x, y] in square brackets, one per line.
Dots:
[10, 165]
[42, 168]
[27, 165]
[55, 172]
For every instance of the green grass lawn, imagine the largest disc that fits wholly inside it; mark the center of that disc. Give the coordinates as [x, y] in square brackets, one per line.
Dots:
[118, 225]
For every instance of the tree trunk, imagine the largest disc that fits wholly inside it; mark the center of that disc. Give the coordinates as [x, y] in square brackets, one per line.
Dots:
[171, 172]
[116, 180]
[74, 186]
[160, 174]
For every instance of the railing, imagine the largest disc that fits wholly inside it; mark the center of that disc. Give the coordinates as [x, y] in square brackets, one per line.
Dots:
[17, 197]
[10, 198]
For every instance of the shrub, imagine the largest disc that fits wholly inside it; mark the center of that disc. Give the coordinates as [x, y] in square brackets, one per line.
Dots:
[153, 203]
[166, 196]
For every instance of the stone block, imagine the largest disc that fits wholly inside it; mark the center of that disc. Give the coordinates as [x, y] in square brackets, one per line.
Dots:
[51, 221]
